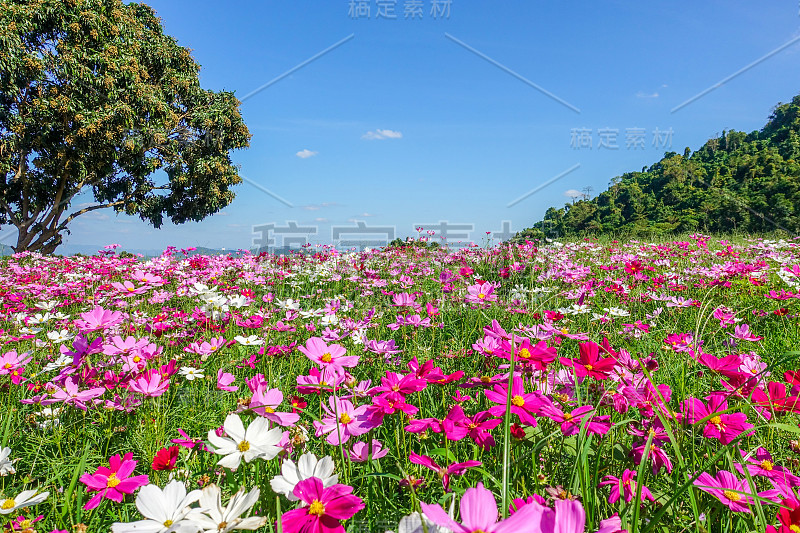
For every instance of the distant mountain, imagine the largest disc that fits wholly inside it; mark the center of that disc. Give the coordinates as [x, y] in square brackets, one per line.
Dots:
[735, 182]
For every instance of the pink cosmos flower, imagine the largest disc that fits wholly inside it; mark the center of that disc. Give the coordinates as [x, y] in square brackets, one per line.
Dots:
[718, 425]
[625, 486]
[524, 405]
[10, 361]
[743, 333]
[113, 482]
[478, 511]
[657, 456]
[457, 425]
[732, 492]
[224, 380]
[264, 402]
[98, 319]
[481, 293]
[206, 348]
[319, 380]
[70, 394]
[150, 384]
[351, 422]
[359, 453]
[455, 469]
[324, 508]
[398, 384]
[761, 463]
[187, 442]
[326, 356]
[525, 353]
[582, 416]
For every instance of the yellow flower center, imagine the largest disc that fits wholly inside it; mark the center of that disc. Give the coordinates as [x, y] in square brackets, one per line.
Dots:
[565, 331]
[268, 409]
[767, 465]
[243, 446]
[113, 481]
[567, 417]
[481, 296]
[136, 358]
[316, 508]
[8, 504]
[345, 418]
[525, 353]
[326, 357]
[486, 379]
[716, 420]
[168, 523]
[518, 401]
[7, 366]
[794, 528]
[589, 367]
[732, 496]
[561, 397]
[222, 526]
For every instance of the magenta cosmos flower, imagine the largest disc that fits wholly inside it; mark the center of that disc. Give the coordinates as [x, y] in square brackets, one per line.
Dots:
[455, 469]
[734, 493]
[325, 508]
[590, 363]
[328, 356]
[719, 425]
[113, 482]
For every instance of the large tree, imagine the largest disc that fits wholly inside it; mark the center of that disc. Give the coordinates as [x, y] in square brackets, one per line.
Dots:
[95, 97]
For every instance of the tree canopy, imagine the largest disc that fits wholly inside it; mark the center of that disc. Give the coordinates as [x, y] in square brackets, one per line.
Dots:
[734, 182]
[95, 97]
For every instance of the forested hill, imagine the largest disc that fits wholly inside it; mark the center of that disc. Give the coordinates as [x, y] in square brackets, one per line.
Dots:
[736, 182]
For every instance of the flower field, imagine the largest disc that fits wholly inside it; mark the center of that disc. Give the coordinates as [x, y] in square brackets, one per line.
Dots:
[556, 387]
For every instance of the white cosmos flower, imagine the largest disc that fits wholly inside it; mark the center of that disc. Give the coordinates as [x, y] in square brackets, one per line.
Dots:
[26, 498]
[191, 373]
[257, 441]
[165, 511]
[59, 336]
[29, 331]
[308, 466]
[358, 336]
[328, 320]
[252, 340]
[39, 318]
[6, 464]
[218, 519]
[47, 306]
[288, 304]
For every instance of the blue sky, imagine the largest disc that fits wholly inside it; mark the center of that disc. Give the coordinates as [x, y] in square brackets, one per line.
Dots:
[461, 137]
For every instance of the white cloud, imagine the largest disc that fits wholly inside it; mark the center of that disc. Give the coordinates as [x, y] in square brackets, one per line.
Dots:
[642, 94]
[573, 193]
[365, 215]
[378, 135]
[305, 153]
[320, 219]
